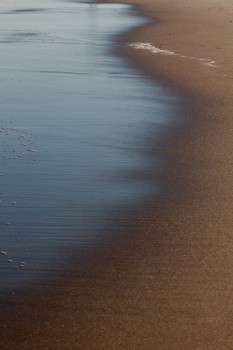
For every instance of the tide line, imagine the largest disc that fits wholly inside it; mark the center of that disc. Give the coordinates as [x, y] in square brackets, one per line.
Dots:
[156, 50]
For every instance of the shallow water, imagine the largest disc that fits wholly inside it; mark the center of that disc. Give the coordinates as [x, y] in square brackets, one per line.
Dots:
[73, 123]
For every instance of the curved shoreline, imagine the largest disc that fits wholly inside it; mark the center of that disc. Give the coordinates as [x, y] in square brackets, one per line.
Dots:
[173, 286]
[194, 309]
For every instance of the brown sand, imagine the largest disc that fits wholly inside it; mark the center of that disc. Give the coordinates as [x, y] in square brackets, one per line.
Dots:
[170, 286]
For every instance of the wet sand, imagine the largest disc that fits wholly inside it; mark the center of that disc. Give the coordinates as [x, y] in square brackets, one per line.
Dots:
[170, 285]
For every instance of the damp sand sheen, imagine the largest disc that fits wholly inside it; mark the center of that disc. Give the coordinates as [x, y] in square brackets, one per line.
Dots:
[147, 262]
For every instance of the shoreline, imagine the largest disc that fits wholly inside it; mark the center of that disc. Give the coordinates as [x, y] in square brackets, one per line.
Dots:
[171, 286]
[195, 310]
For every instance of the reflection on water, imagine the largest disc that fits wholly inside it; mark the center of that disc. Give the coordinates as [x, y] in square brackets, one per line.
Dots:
[71, 120]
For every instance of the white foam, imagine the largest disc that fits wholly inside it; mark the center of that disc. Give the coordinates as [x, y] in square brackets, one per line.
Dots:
[150, 47]
[206, 62]
[154, 49]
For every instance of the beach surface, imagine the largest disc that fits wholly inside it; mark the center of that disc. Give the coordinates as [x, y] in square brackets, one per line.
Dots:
[170, 285]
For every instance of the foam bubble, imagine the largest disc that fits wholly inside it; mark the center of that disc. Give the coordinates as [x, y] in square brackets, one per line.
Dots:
[150, 47]
[154, 49]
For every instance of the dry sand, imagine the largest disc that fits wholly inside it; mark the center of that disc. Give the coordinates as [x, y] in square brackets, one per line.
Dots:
[170, 286]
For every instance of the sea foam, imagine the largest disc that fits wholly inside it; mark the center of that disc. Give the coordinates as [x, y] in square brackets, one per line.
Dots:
[156, 50]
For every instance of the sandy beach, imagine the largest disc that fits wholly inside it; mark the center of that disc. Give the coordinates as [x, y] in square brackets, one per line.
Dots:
[169, 284]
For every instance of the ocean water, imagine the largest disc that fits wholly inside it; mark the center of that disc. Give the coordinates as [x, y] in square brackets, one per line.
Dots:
[74, 124]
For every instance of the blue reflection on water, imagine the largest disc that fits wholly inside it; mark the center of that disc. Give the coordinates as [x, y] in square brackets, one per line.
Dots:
[73, 124]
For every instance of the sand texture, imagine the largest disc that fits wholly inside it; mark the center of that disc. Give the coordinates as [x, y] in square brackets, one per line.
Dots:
[170, 285]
